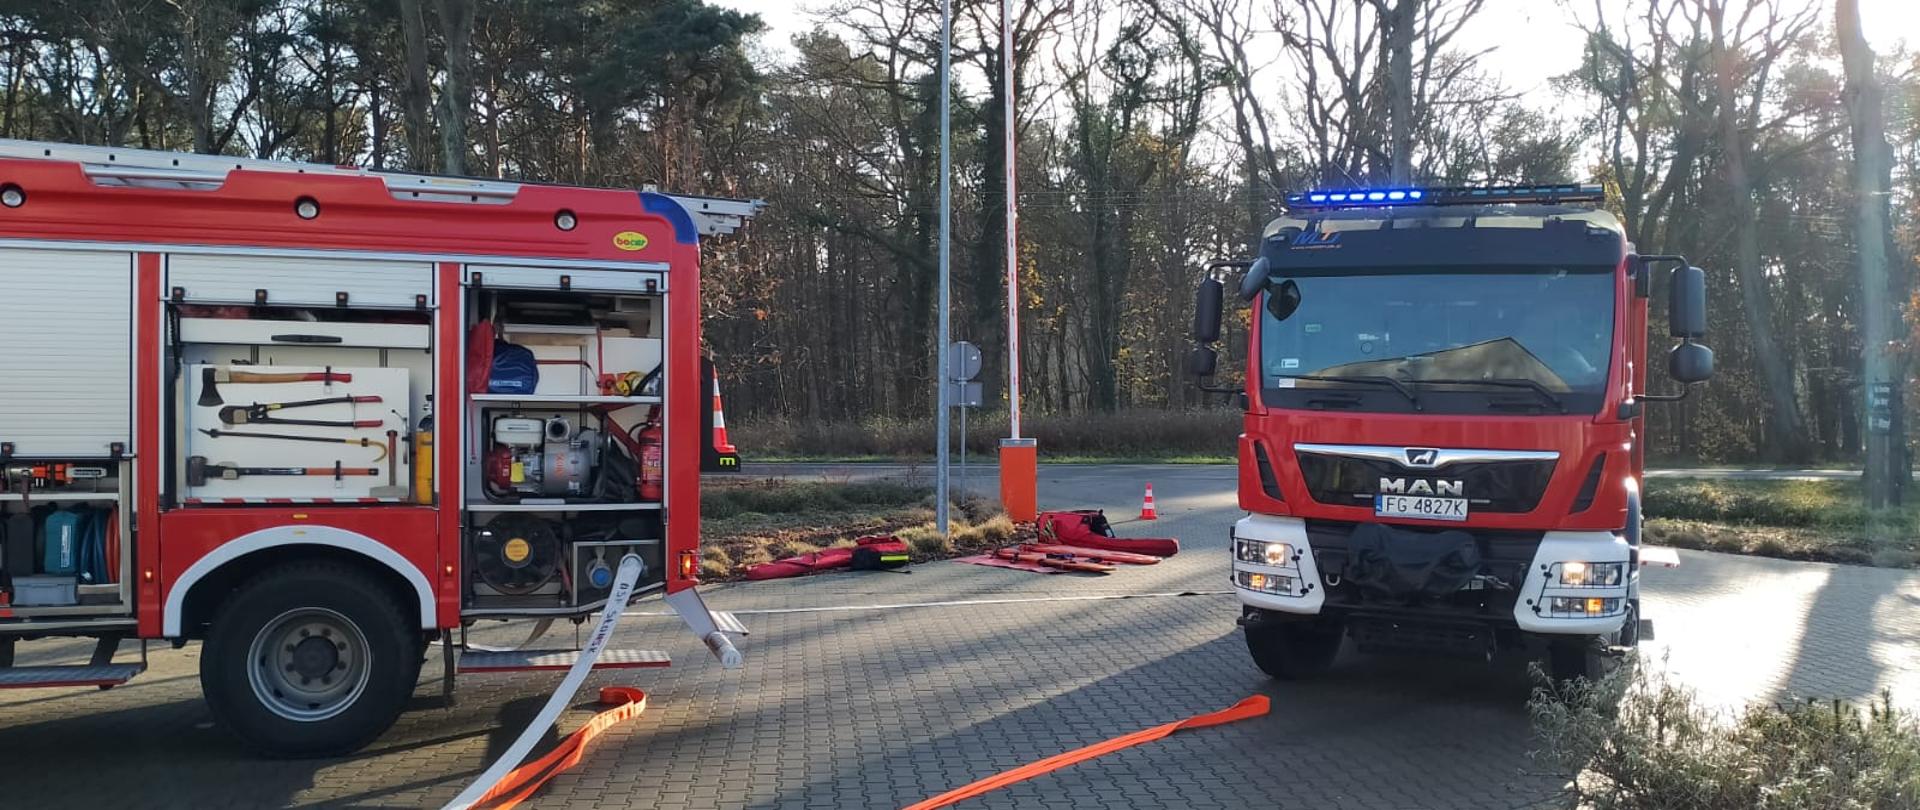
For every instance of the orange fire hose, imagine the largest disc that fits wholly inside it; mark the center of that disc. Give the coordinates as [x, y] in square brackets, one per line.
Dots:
[521, 782]
[1255, 706]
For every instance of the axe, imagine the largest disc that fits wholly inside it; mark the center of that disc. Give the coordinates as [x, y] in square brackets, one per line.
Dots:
[198, 470]
[210, 394]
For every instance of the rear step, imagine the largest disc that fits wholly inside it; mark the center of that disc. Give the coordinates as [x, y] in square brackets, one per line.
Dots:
[477, 661]
[104, 676]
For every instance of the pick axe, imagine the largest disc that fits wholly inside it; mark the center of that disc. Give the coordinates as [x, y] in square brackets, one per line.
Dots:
[198, 471]
[209, 376]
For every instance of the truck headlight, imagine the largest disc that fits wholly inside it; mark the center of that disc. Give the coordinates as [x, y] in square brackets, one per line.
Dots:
[1261, 552]
[1577, 574]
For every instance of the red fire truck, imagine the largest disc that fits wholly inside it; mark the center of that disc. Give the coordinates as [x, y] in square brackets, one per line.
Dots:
[318, 418]
[1444, 432]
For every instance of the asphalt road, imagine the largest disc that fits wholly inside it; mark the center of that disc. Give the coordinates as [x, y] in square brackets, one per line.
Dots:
[852, 698]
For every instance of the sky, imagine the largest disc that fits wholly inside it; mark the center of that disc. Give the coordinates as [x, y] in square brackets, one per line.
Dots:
[1530, 40]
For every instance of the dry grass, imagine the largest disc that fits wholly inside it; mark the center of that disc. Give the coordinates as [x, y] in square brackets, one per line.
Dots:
[802, 518]
[1797, 520]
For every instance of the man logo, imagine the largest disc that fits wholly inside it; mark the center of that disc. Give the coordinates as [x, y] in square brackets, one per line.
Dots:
[1317, 240]
[1441, 487]
[1422, 456]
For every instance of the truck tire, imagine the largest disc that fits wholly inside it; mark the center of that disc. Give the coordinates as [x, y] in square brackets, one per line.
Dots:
[1578, 658]
[1294, 650]
[1570, 658]
[309, 659]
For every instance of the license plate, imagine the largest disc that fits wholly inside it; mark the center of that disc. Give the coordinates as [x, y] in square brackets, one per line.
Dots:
[1410, 506]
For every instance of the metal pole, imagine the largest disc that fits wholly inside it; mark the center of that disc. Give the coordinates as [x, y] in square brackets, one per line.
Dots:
[946, 245]
[1013, 245]
[963, 451]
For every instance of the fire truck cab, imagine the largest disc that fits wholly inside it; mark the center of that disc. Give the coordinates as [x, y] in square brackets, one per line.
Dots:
[1445, 401]
[320, 417]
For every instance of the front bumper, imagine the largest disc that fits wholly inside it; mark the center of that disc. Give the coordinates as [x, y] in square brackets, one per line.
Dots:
[1516, 593]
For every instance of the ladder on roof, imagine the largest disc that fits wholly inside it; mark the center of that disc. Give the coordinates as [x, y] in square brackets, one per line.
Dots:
[114, 166]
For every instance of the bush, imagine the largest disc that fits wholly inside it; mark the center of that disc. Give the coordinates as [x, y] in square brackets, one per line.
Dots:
[1636, 741]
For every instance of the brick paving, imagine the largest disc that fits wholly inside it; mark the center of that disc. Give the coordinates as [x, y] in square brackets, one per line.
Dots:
[881, 708]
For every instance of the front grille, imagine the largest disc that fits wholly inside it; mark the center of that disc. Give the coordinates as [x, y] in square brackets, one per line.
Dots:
[1490, 486]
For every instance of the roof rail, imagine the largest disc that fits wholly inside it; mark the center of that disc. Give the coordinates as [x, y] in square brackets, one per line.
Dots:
[114, 166]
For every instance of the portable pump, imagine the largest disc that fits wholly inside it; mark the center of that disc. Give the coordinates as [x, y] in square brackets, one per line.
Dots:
[541, 458]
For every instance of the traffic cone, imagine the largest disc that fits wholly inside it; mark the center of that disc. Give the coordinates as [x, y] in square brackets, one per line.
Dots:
[1147, 511]
[720, 441]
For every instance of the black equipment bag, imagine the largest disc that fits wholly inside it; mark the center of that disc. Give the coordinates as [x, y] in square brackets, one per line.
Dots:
[1394, 565]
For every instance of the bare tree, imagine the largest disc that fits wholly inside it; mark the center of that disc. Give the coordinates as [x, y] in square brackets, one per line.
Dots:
[1744, 49]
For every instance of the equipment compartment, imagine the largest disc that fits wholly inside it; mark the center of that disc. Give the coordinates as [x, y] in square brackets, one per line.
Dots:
[66, 547]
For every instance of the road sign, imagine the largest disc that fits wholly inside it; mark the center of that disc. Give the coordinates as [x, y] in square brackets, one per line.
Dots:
[963, 362]
[965, 394]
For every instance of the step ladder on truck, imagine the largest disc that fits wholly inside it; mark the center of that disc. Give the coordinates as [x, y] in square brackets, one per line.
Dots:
[319, 418]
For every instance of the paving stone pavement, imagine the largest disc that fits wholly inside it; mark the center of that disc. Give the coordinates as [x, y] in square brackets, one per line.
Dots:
[880, 708]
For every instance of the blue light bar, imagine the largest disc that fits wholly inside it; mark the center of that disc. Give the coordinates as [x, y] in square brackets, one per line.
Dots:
[1448, 195]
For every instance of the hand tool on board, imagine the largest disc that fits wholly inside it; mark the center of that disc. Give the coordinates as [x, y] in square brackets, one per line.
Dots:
[261, 413]
[385, 452]
[211, 376]
[198, 471]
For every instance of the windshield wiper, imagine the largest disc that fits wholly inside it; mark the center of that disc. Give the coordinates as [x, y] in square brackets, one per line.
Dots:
[1545, 393]
[1368, 379]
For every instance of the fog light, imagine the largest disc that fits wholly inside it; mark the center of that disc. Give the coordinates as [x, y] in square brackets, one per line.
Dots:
[12, 196]
[306, 208]
[1577, 607]
[1266, 583]
[565, 220]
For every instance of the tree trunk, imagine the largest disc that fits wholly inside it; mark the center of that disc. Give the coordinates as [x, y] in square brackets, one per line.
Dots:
[1872, 186]
[456, 94]
[1785, 427]
[1400, 89]
[415, 94]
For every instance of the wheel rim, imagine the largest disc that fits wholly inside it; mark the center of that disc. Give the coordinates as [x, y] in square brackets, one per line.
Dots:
[308, 664]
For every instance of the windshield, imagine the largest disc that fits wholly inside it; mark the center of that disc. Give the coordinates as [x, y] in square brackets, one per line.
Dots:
[1543, 333]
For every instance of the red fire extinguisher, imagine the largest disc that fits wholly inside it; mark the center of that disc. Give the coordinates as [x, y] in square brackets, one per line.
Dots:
[653, 466]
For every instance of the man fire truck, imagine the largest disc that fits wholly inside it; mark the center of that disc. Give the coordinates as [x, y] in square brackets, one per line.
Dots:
[1445, 423]
[320, 417]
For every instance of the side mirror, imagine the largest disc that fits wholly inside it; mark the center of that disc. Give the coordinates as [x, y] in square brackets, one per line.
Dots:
[1690, 363]
[1687, 304]
[1202, 362]
[1207, 303]
[1283, 301]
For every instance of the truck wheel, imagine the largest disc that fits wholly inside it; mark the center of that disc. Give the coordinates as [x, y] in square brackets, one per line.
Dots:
[1573, 657]
[1292, 650]
[309, 659]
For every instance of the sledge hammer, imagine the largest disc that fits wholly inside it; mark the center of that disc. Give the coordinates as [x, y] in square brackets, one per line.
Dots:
[209, 376]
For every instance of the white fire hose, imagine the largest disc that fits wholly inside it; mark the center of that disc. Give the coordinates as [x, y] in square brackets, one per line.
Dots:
[623, 582]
